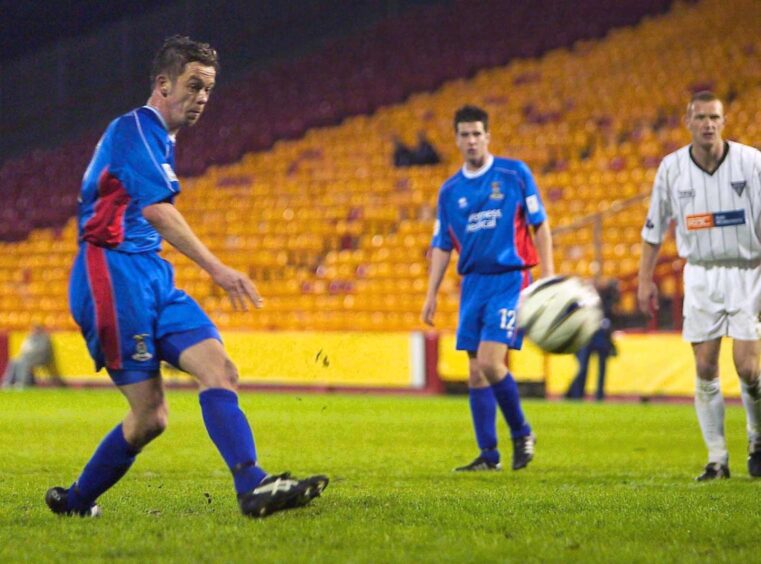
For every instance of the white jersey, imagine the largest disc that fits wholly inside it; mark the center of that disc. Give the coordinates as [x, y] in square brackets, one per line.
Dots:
[718, 216]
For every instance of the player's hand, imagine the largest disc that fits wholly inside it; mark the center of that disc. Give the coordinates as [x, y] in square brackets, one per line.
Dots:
[429, 310]
[647, 298]
[239, 288]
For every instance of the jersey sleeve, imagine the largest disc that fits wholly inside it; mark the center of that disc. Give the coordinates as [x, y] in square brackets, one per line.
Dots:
[442, 238]
[138, 161]
[536, 213]
[659, 214]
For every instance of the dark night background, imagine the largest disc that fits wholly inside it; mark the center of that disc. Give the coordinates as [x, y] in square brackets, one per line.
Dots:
[66, 68]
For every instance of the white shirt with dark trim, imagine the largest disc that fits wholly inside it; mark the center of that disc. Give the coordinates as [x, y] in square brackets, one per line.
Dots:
[717, 215]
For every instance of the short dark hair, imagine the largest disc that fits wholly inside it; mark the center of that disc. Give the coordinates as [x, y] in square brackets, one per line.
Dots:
[468, 114]
[179, 50]
[702, 96]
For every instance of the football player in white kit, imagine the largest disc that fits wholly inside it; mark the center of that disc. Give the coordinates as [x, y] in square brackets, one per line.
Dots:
[711, 189]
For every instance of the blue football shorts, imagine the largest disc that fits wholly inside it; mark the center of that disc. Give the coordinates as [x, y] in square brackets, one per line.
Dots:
[488, 309]
[130, 313]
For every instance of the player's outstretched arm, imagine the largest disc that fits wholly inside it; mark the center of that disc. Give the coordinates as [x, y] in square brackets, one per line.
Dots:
[647, 291]
[439, 263]
[171, 225]
[543, 242]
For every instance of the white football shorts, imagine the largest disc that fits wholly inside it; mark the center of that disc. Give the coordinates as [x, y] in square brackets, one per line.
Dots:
[721, 301]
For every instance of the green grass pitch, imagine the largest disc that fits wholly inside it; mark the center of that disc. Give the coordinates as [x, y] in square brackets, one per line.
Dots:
[610, 483]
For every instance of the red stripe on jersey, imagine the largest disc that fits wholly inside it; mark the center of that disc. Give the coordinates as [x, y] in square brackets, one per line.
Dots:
[105, 308]
[106, 227]
[455, 241]
[526, 278]
[524, 244]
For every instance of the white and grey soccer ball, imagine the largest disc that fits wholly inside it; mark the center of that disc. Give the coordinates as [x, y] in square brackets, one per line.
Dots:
[559, 314]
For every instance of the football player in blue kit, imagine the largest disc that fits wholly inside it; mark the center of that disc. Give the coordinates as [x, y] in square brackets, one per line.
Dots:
[123, 298]
[487, 211]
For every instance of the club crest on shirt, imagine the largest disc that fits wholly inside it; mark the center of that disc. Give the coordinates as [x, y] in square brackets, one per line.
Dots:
[495, 191]
[738, 187]
[141, 349]
[463, 203]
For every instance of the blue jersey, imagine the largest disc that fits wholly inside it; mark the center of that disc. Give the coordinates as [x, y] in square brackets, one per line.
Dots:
[121, 292]
[486, 216]
[133, 167]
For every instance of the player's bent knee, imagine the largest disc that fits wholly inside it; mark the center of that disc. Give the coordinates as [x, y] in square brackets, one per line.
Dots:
[477, 380]
[155, 425]
[748, 372]
[223, 375]
[707, 370]
[231, 373]
[153, 422]
[490, 369]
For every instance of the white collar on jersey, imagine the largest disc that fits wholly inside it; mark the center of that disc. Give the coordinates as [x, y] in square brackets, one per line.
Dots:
[161, 118]
[476, 173]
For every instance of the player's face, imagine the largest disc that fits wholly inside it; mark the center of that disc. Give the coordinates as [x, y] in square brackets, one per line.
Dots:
[187, 95]
[705, 120]
[473, 142]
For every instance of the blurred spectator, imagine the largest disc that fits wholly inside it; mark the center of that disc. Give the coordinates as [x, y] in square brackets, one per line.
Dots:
[403, 155]
[601, 344]
[36, 352]
[423, 154]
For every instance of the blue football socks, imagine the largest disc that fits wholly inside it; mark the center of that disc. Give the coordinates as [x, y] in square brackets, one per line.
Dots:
[108, 464]
[506, 393]
[231, 433]
[483, 409]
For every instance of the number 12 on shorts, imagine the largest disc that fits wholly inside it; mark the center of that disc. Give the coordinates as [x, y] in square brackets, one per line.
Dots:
[507, 321]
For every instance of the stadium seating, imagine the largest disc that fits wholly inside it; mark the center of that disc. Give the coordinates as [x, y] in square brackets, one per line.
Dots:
[347, 76]
[336, 238]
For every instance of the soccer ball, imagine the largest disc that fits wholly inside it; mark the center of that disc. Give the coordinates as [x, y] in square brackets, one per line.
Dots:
[560, 314]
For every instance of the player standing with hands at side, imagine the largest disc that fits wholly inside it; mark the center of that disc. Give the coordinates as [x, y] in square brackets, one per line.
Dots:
[123, 297]
[484, 211]
[712, 190]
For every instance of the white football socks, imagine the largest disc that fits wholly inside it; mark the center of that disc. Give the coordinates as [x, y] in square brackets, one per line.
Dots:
[709, 404]
[751, 396]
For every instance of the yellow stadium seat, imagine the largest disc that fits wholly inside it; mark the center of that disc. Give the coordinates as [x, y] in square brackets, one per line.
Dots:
[340, 242]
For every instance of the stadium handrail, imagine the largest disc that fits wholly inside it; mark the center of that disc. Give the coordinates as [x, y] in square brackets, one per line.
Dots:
[668, 267]
[596, 219]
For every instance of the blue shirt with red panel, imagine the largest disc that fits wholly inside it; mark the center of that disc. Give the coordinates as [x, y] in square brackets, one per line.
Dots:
[132, 167]
[486, 215]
